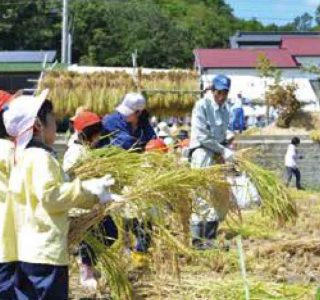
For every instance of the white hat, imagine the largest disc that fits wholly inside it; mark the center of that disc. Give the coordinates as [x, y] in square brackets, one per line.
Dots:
[164, 129]
[20, 117]
[131, 103]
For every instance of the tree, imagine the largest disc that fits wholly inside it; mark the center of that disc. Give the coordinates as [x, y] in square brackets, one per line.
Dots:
[267, 70]
[303, 22]
[164, 32]
[32, 25]
[317, 15]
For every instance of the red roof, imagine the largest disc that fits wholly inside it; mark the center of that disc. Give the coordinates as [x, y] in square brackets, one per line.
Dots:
[302, 46]
[242, 58]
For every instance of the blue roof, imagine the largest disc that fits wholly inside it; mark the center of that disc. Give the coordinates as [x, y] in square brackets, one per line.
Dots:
[26, 56]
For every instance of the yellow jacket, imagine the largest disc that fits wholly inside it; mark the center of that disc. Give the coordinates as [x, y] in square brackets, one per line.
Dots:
[41, 201]
[7, 238]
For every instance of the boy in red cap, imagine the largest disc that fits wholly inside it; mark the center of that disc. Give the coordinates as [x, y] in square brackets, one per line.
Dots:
[88, 128]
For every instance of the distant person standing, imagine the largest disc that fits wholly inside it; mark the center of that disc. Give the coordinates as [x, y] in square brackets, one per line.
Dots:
[238, 114]
[291, 163]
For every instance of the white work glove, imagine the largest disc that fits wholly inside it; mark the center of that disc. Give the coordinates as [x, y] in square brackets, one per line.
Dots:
[106, 197]
[100, 187]
[228, 155]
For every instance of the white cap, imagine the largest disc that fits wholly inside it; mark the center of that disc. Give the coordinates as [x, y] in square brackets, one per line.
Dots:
[164, 129]
[131, 103]
[20, 117]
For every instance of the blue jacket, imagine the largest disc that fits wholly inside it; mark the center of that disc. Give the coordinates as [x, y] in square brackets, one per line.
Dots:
[122, 134]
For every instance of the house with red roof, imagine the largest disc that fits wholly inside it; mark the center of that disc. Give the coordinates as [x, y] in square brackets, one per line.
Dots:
[289, 52]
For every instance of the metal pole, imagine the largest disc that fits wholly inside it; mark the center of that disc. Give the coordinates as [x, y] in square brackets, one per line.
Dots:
[69, 49]
[64, 44]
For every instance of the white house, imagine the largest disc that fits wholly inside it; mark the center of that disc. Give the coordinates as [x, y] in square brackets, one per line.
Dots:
[289, 53]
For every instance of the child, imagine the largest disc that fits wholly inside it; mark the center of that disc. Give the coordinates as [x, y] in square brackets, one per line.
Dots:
[291, 163]
[7, 250]
[88, 128]
[41, 199]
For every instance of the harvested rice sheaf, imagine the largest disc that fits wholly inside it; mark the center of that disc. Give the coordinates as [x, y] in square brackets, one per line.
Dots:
[168, 93]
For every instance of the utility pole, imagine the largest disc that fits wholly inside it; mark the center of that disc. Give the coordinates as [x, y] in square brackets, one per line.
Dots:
[69, 48]
[134, 56]
[65, 27]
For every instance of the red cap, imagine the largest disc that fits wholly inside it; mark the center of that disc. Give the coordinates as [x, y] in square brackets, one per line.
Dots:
[84, 120]
[4, 98]
[157, 145]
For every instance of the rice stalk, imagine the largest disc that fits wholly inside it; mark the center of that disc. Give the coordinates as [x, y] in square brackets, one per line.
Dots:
[168, 93]
[276, 201]
[113, 268]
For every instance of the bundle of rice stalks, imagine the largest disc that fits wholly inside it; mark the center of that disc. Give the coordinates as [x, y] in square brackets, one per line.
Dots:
[113, 268]
[276, 201]
[158, 189]
[122, 165]
[168, 93]
[253, 225]
[81, 223]
[315, 135]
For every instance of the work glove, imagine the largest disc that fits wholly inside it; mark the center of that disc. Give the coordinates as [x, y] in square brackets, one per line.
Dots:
[106, 197]
[228, 155]
[101, 188]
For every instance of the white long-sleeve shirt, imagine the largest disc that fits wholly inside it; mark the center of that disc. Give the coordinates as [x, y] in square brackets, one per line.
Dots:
[291, 156]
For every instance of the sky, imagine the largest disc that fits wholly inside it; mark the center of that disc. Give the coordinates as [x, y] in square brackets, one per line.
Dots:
[273, 11]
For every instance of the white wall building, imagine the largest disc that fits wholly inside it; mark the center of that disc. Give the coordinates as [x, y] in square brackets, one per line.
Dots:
[290, 56]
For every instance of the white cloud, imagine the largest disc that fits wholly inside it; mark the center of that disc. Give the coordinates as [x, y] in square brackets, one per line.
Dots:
[312, 3]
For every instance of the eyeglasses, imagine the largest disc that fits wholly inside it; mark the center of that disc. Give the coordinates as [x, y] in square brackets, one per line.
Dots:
[222, 92]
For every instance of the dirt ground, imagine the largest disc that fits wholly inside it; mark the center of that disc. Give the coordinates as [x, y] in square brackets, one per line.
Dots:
[281, 263]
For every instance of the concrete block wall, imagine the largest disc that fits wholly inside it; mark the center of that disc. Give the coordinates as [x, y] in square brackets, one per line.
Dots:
[271, 151]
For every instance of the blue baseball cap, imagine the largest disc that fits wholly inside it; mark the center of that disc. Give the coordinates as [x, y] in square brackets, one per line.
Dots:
[221, 82]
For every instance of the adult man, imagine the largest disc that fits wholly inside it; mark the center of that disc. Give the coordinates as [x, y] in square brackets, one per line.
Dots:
[210, 119]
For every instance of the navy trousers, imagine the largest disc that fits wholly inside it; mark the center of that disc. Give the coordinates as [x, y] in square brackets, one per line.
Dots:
[296, 173]
[41, 282]
[7, 275]
[238, 120]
